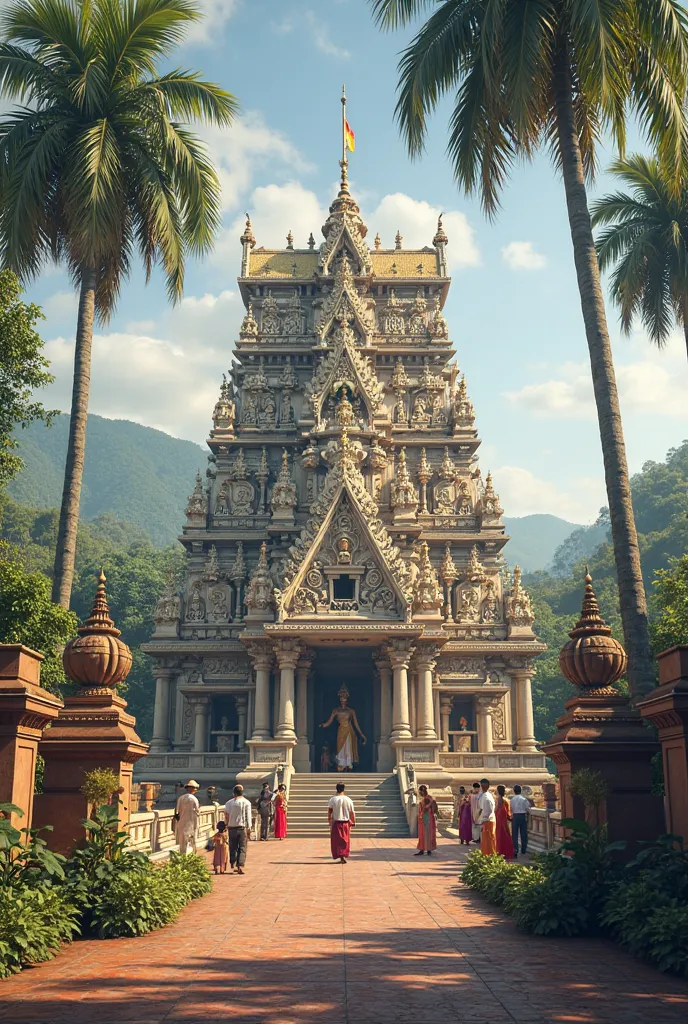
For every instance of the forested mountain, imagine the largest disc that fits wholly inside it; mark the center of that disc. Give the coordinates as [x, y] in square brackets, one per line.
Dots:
[660, 501]
[136, 474]
[535, 539]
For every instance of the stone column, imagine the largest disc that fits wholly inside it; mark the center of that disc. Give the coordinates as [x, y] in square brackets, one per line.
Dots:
[25, 710]
[525, 730]
[400, 656]
[413, 701]
[161, 712]
[200, 732]
[302, 752]
[425, 713]
[261, 656]
[241, 701]
[436, 709]
[445, 713]
[483, 714]
[287, 653]
[385, 756]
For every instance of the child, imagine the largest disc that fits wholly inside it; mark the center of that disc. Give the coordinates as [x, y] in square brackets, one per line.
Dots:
[221, 845]
[325, 761]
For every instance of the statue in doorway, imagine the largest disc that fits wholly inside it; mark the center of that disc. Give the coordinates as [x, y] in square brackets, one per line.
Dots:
[346, 754]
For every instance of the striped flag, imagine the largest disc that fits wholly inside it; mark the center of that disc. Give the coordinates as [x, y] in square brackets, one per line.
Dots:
[349, 137]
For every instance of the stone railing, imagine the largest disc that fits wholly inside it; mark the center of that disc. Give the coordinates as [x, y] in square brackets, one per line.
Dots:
[544, 830]
[406, 776]
[190, 762]
[152, 832]
[495, 761]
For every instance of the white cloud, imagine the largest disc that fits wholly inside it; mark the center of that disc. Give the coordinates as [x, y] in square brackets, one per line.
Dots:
[523, 494]
[322, 39]
[644, 387]
[249, 145]
[278, 209]
[61, 305]
[417, 222]
[282, 28]
[522, 256]
[216, 15]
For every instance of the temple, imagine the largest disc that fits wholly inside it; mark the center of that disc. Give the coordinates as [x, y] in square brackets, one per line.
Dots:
[344, 538]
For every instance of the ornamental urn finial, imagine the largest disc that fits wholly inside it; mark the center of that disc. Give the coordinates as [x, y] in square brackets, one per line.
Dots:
[592, 658]
[97, 657]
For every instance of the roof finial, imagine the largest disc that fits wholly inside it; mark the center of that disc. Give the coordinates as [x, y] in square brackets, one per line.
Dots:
[378, 241]
[398, 240]
[440, 235]
[290, 240]
[248, 236]
[311, 241]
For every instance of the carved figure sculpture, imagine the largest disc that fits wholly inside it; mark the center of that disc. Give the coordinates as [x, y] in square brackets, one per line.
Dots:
[346, 748]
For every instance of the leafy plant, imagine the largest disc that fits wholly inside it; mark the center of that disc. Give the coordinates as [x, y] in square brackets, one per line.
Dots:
[99, 786]
[589, 786]
[34, 923]
[25, 861]
[668, 938]
[551, 904]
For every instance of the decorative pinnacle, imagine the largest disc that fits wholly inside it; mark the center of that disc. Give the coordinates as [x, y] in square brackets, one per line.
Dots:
[290, 240]
[378, 241]
[248, 236]
[311, 241]
[440, 235]
[99, 620]
[591, 621]
[398, 239]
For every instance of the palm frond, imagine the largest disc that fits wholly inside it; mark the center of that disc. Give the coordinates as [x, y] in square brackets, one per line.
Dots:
[393, 14]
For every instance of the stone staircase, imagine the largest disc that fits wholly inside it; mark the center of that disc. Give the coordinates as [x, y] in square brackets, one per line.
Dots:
[377, 804]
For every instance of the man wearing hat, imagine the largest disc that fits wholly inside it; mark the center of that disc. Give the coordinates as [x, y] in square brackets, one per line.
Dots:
[186, 817]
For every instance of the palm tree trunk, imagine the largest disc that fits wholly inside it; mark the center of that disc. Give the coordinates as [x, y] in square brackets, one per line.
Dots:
[685, 320]
[624, 536]
[63, 573]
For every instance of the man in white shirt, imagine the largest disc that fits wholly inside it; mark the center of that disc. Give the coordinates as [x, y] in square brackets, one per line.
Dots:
[488, 819]
[238, 818]
[341, 816]
[186, 815]
[520, 809]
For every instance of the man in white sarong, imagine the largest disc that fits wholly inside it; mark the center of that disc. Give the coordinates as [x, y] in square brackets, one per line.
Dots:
[186, 817]
[347, 745]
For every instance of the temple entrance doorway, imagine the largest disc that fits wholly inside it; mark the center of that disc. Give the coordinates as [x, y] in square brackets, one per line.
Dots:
[354, 669]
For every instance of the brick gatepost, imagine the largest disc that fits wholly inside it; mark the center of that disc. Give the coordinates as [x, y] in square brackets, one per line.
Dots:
[93, 730]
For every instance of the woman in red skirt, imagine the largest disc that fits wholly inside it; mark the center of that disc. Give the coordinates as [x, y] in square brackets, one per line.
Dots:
[505, 846]
[281, 812]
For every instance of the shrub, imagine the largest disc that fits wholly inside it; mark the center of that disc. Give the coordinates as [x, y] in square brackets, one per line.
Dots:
[628, 911]
[668, 939]
[190, 872]
[99, 786]
[136, 903]
[34, 922]
[550, 904]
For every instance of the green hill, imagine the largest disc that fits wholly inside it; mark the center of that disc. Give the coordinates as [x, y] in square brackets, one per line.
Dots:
[137, 474]
[535, 539]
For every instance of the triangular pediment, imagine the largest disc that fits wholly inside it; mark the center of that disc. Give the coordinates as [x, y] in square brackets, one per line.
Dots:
[346, 365]
[345, 538]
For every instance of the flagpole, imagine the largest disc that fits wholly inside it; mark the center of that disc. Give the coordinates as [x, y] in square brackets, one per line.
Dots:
[345, 162]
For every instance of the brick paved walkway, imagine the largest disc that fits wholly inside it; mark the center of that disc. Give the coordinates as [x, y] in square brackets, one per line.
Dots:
[301, 940]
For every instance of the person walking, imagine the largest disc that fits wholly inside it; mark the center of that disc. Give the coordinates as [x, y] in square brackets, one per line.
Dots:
[505, 847]
[281, 812]
[186, 817]
[264, 806]
[341, 817]
[475, 812]
[487, 821]
[520, 809]
[427, 822]
[220, 848]
[238, 818]
[465, 817]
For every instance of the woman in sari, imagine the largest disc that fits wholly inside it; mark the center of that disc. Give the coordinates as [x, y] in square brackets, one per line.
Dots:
[505, 846]
[281, 812]
[427, 822]
[465, 817]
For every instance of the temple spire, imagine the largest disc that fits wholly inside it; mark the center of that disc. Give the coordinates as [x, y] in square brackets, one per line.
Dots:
[344, 163]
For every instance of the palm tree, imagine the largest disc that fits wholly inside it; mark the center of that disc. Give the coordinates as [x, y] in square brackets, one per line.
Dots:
[98, 164]
[648, 244]
[556, 73]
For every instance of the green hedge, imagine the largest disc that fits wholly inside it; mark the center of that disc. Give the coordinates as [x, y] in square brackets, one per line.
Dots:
[105, 890]
[582, 890]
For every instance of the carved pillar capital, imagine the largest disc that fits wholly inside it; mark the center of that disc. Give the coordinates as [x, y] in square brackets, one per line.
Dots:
[288, 653]
[260, 652]
[399, 653]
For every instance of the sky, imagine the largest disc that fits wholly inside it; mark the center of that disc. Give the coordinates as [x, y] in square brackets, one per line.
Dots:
[513, 308]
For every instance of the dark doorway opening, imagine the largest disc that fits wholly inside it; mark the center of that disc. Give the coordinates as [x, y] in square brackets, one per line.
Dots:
[353, 668]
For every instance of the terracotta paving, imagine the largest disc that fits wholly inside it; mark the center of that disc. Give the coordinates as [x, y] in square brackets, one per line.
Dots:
[389, 937]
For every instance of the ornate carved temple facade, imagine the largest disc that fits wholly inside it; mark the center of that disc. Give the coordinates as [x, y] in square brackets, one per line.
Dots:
[344, 533]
